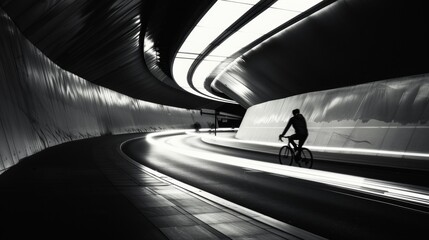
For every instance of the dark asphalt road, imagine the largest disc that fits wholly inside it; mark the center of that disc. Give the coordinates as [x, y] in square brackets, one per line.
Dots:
[328, 211]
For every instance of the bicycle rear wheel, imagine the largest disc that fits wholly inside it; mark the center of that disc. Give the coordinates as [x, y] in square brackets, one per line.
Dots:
[306, 158]
[285, 155]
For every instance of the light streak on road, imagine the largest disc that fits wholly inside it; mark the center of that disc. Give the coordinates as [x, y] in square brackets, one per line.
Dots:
[392, 190]
[362, 151]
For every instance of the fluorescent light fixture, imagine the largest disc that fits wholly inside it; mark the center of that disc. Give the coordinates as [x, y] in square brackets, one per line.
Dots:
[186, 55]
[215, 22]
[180, 73]
[294, 5]
[256, 28]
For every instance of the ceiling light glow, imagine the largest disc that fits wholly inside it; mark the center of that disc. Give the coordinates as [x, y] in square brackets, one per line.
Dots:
[221, 16]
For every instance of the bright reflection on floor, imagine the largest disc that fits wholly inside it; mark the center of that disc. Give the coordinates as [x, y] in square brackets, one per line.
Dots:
[360, 184]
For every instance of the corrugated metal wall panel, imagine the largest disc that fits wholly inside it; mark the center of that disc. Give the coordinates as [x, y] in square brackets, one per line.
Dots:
[42, 105]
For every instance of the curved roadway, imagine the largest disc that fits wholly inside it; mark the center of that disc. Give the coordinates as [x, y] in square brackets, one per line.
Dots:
[335, 206]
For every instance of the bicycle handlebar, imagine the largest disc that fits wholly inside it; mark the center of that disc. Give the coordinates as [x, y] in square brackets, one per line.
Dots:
[280, 137]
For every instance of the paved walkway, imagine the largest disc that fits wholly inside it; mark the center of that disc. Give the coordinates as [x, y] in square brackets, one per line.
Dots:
[89, 188]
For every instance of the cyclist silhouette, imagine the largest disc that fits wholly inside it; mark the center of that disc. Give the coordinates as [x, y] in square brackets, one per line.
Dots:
[299, 123]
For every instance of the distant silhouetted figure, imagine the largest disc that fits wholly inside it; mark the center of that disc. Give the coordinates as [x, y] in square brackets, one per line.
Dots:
[197, 126]
[301, 133]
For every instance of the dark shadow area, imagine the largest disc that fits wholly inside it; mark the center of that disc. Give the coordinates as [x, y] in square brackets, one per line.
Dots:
[60, 193]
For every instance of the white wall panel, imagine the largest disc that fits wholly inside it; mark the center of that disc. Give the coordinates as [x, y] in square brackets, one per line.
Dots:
[42, 105]
[390, 115]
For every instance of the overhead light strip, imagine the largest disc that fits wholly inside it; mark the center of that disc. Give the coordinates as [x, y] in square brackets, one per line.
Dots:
[217, 20]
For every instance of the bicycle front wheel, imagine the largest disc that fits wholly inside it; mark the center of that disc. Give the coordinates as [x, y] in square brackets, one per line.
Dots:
[285, 155]
[306, 158]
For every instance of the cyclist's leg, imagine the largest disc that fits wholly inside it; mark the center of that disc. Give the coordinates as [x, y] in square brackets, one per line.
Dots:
[292, 140]
[295, 147]
[301, 140]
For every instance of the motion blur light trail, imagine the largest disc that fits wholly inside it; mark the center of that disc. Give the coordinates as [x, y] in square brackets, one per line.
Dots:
[167, 140]
[330, 149]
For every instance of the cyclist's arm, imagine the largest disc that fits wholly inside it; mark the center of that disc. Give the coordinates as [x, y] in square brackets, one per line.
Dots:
[286, 128]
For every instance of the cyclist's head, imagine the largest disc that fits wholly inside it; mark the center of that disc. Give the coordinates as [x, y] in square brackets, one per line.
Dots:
[295, 111]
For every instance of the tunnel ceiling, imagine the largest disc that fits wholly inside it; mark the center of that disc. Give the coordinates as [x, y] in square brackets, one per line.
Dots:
[353, 42]
[347, 43]
[97, 41]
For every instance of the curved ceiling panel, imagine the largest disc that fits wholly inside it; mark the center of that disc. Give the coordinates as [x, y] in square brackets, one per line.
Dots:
[101, 41]
[347, 43]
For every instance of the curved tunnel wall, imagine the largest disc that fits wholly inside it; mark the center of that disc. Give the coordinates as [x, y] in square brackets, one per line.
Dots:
[42, 105]
[391, 115]
[347, 43]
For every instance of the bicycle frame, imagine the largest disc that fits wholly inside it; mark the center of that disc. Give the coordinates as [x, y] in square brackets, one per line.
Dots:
[287, 155]
[289, 144]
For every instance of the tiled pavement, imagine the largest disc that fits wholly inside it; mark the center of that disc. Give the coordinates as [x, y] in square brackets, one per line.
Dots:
[89, 189]
[178, 213]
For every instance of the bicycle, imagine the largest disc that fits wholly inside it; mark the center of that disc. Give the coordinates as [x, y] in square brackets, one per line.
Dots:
[287, 155]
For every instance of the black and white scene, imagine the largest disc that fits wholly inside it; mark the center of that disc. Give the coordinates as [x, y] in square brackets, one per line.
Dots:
[214, 119]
